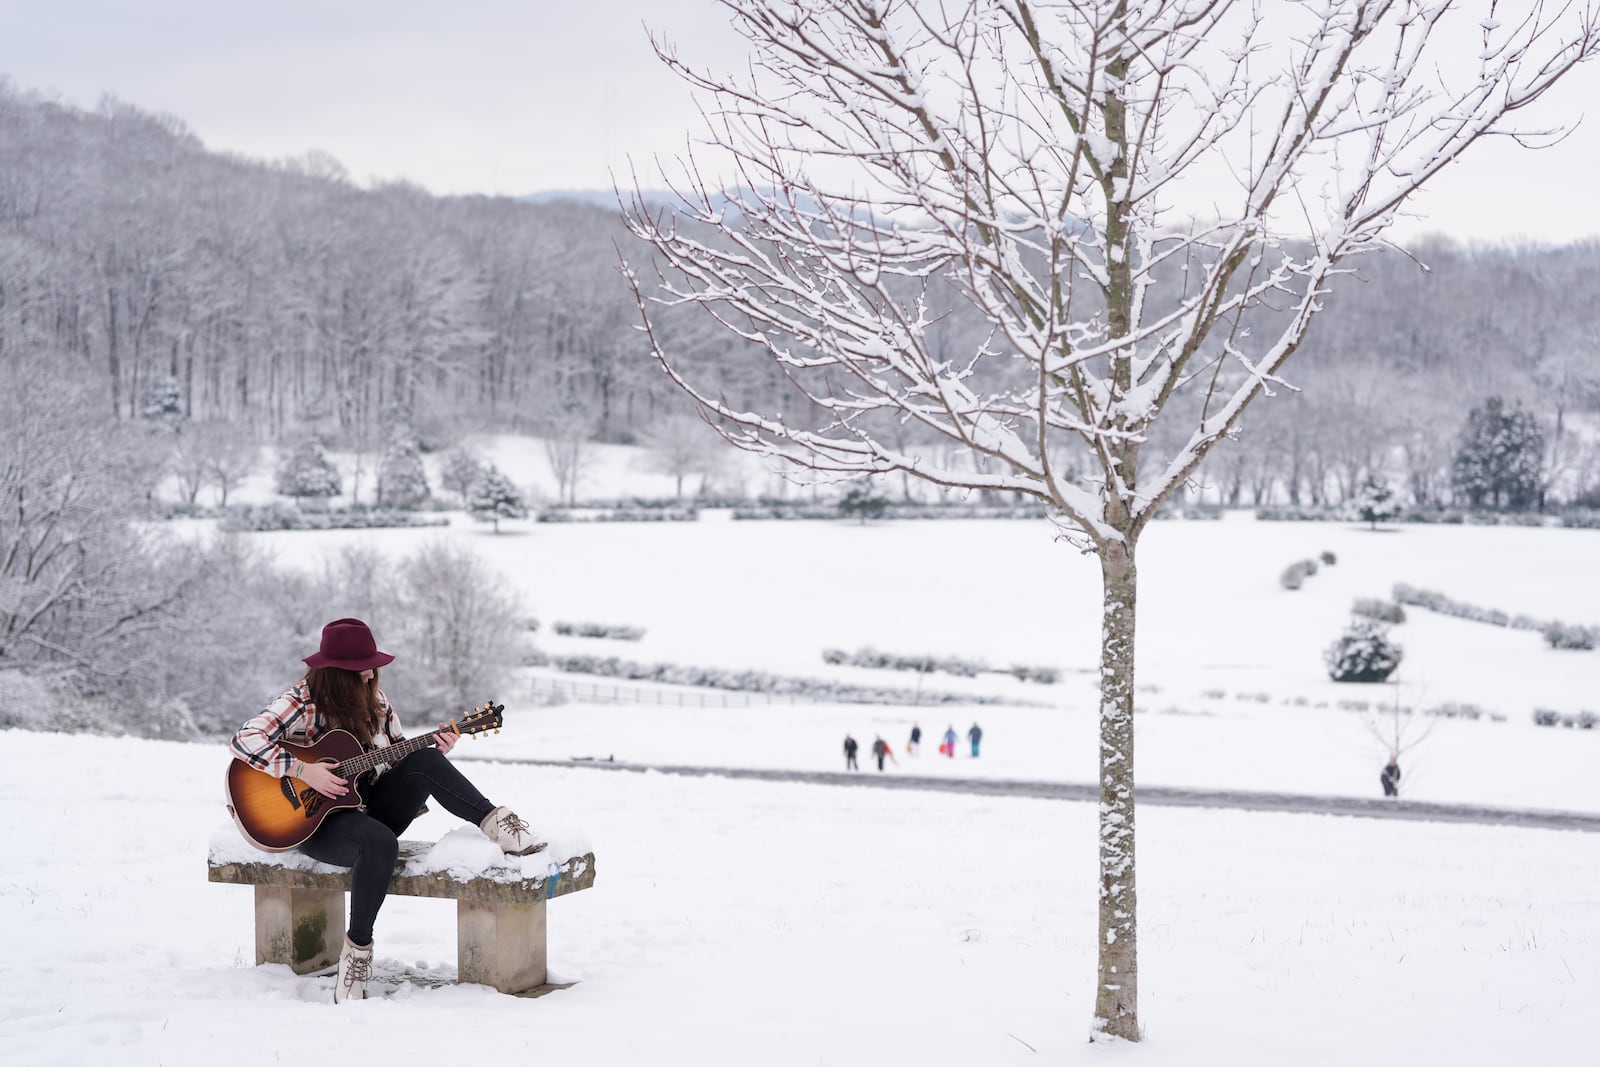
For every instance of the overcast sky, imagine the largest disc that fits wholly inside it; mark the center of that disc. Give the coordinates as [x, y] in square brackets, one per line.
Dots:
[519, 96]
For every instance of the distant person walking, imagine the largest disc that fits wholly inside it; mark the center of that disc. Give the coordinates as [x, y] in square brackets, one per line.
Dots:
[881, 751]
[975, 735]
[949, 746]
[1391, 777]
[916, 739]
[850, 747]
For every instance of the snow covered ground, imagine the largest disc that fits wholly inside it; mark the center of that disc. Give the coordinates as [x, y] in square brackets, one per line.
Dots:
[738, 922]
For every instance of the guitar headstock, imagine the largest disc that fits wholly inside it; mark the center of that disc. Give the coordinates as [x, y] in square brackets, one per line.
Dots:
[486, 717]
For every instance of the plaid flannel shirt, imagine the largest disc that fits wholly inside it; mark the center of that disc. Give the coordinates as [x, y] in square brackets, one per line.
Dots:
[293, 717]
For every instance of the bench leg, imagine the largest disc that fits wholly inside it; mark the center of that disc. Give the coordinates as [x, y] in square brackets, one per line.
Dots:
[501, 945]
[301, 927]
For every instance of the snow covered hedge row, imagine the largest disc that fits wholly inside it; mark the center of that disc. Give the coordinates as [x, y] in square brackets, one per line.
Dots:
[1445, 516]
[1558, 634]
[873, 659]
[1576, 518]
[277, 517]
[782, 510]
[598, 629]
[628, 514]
[1583, 720]
[817, 689]
[896, 511]
[1372, 607]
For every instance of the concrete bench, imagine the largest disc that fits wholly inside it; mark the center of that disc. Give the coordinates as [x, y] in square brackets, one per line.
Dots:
[500, 914]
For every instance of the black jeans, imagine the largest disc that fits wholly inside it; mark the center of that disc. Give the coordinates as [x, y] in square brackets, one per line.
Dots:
[369, 842]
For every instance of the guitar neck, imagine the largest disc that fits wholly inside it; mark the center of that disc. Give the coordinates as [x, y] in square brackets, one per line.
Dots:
[386, 754]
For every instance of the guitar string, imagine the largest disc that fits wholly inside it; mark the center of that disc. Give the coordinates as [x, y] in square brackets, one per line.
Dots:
[390, 753]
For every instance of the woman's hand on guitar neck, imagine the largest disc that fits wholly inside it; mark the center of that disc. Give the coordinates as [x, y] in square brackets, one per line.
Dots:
[446, 738]
[321, 777]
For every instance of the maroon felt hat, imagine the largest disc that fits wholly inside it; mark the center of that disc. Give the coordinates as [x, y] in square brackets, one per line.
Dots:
[348, 644]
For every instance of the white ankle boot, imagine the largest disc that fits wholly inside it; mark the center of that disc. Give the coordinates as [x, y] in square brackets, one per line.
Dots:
[504, 828]
[355, 967]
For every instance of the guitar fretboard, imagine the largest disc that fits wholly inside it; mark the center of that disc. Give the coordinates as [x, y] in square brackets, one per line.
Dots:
[386, 754]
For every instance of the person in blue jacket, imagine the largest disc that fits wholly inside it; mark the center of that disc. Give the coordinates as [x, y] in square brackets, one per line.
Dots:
[975, 735]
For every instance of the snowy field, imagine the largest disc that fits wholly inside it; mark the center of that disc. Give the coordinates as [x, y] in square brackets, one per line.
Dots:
[738, 922]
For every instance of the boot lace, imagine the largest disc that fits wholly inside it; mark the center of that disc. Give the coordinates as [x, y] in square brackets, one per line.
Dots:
[513, 825]
[357, 969]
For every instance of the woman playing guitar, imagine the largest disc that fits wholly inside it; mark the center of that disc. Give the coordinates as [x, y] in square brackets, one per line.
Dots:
[340, 692]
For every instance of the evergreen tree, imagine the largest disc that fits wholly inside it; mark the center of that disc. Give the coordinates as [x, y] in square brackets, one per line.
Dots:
[494, 498]
[1374, 501]
[163, 401]
[1499, 457]
[862, 503]
[402, 481]
[307, 471]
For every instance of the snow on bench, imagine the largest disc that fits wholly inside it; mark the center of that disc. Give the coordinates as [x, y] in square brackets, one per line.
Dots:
[500, 901]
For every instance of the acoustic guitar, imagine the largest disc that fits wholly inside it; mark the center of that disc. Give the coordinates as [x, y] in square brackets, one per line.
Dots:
[276, 814]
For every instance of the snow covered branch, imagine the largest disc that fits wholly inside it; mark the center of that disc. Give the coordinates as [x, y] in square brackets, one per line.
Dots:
[1144, 200]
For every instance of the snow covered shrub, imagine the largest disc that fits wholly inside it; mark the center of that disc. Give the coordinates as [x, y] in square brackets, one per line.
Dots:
[1376, 608]
[1565, 636]
[1328, 558]
[1546, 717]
[1363, 653]
[26, 703]
[1296, 573]
[307, 472]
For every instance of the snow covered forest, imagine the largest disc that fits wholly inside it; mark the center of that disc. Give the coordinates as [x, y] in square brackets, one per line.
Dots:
[154, 275]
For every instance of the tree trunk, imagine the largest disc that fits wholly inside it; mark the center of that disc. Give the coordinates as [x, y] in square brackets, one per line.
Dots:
[113, 355]
[1117, 988]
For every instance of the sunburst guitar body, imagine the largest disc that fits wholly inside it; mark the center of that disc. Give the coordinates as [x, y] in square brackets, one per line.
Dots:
[276, 814]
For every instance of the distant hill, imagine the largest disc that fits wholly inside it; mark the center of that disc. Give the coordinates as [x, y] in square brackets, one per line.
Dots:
[604, 198]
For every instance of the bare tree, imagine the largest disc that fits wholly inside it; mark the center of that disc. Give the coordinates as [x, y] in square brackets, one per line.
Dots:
[232, 458]
[189, 462]
[566, 446]
[458, 620]
[1114, 186]
[681, 445]
[76, 580]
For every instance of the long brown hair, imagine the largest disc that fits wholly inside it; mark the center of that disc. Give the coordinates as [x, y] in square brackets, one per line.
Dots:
[344, 700]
